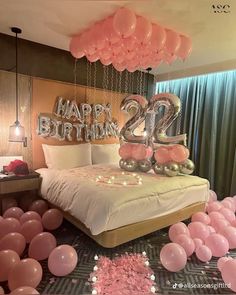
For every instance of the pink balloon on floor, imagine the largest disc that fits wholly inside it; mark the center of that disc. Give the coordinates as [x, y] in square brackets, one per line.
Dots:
[198, 230]
[211, 229]
[212, 196]
[173, 257]
[42, 245]
[221, 261]
[218, 244]
[201, 216]
[14, 212]
[228, 274]
[13, 241]
[204, 253]
[62, 260]
[39, 206]
[229, 233]
[219, 224]
[9, 225]
[197, 242]
[52, 219]
[214, 206]
[1, 290]
[1, 218]
[27, 272]
[8, 260]
[228, 214]
[176, 229]
[187, 243]
[24, 291]
[30, 215]
[30, 229]
[233, 223]
[229, 203]
[214, 215]
[25, 202]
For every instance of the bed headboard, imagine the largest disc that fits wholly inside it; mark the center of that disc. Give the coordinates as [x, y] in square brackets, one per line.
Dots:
[44, 95]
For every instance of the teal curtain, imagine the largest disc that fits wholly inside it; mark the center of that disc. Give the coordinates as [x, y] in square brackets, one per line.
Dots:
[208, 116]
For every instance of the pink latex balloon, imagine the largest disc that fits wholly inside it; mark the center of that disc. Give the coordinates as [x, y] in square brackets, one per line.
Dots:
[92, 58]
[1, 290]
[125, 151]
[229, 233]
[176, 229]
[8, 203]
[75, 47]
[228, 273]
[9, 225]
[234, 199]
[187, 243]
[27, 272]
[98, 37]
[124, 22]
[1, 218]
[204, 253]
[13, 241]
[202, 217]
[52, 219]
[169, 58]
[119, 67]
[228, 214]
[30, 215]
[158, 37]
[106, 62]
[214, 206]
[219, 224]
[131, 69]
[221, 261]
[233, 223]
[149, 152]
[42, 245]
[39, 206]
[212, 196]
[105, 53]
[162, 155]
[173, 257]
[229, 204]
[198, 230]
[14, 212]
[179, 153]
[185, 47]
[139, 152]
[25, 202]
[211, 229]
[218, 244]
[214, 215]
[24, 291]
[130, 43]
[110, 34]
[172, 42]
[197, 242]
[143, 30]
[30, 229]
[62, 260]
[8, 260]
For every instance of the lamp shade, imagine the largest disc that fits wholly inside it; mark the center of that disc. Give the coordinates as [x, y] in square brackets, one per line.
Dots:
[16, 132]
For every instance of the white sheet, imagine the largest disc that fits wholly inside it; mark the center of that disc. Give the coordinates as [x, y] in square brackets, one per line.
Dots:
[102, 206]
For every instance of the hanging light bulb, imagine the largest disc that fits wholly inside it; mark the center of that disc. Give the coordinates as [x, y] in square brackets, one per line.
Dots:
[17, 131]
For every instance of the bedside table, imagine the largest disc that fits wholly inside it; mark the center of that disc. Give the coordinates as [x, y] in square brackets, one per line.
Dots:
[16, 184]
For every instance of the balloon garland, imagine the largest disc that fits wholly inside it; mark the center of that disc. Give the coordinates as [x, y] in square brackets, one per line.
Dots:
[131, 42]
[154, 150]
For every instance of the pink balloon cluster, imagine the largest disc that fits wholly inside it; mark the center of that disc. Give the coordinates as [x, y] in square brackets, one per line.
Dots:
[129, 41]
[210, 233]
[136, 152]
[17, 228]
[173, 153]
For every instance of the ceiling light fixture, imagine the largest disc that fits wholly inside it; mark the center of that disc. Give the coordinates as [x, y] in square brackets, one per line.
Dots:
[17, 131]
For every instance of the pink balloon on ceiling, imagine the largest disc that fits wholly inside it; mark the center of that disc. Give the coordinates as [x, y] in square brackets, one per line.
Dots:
[75, 47]
[185, 47]
[143, 30]
[172, 42]
[124, 22]
[158, 37]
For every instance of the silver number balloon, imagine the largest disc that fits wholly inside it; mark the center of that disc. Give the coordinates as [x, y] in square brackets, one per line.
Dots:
[130, 165]
[139, 103]
[171, 169]
[172, 106]
[158, 168]
[187, 167]
[145, 165]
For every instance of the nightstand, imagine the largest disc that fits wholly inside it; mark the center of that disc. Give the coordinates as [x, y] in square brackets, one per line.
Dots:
[15, 184]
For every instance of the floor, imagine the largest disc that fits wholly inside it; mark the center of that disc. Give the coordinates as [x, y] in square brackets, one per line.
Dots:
[205, 275]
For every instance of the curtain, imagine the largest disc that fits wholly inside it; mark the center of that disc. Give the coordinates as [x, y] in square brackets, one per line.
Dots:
[208, 116]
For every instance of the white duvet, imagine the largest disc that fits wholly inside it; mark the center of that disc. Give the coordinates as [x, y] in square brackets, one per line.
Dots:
[85, 193]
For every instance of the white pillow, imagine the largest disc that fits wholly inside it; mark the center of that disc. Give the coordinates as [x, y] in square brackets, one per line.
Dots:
[67, 156]
[105, 153]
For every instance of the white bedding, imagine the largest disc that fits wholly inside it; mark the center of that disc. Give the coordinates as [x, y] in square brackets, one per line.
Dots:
[102, 206]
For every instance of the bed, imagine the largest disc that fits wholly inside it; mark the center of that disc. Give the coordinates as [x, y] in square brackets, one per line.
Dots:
[113, 207]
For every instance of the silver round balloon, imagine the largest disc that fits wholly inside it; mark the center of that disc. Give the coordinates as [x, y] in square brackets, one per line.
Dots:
[144, 165]
[187, 167]
[122, 163]
[171, 169]
[130, 165]
[158, 168]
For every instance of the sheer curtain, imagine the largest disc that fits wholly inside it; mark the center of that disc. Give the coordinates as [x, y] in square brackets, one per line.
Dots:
[209, 118]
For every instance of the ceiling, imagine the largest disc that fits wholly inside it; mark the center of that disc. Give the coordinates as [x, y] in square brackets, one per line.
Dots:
[53, 22]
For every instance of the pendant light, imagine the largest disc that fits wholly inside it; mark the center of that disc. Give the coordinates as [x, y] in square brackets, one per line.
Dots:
[17, 131]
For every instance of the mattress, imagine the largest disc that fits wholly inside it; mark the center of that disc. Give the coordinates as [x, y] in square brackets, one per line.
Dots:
[103, 197]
